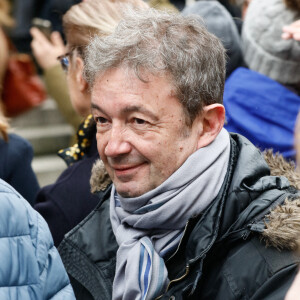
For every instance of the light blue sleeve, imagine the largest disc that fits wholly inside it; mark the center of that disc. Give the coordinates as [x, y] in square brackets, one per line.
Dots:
[53, 276]
[31, 267]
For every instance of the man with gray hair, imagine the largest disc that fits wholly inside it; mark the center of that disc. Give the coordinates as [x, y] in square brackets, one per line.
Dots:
[185, 213]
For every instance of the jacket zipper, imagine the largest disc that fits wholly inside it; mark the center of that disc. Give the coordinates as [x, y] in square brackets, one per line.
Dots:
[184, 231]
[187, 268]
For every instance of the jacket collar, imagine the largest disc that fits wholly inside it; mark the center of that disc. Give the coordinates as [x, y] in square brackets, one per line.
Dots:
[86, 144]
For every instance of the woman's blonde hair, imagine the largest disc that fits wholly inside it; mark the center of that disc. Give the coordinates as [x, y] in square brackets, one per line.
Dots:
[5, 18]
[94, 17]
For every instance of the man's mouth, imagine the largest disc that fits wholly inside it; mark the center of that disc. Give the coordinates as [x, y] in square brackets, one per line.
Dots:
[127, 170]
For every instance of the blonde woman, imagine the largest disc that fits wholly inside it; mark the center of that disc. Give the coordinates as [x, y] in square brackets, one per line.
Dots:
[66, 202]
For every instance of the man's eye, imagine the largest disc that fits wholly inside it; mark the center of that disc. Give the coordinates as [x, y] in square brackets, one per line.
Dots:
[101, 120]
[139, 121]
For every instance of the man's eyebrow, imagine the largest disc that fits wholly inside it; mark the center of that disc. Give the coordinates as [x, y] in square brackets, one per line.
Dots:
[136, 108]
[130, 109]
[96, 107]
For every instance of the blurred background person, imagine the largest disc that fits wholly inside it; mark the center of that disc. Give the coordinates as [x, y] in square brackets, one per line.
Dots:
[219, 22]
[25, 11]
[262, 101]
[30, 268]
[66, 202]
[46, 52]
[16, 153]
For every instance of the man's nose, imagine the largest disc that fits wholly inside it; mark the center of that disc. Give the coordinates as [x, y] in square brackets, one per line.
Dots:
[118, 143]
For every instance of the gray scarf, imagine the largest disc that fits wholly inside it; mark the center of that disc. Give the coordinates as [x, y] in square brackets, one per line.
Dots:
[148, 228]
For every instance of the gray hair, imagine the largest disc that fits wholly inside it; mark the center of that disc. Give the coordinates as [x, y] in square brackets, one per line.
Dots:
[164, 44]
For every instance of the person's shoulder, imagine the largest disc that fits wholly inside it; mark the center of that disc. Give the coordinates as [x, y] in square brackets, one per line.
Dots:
[19, 141]
[27, 245]
[11, 201]
[19, 218]
[20, 222]
[74, 177]
[19, 151]
[18, 144]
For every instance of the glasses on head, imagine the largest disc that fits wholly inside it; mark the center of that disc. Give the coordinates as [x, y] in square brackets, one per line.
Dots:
[64, 61]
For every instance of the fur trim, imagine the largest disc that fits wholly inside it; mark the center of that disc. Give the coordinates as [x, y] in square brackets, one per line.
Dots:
[280, 167]
[100, 179]
[283, 223]
[283, 226]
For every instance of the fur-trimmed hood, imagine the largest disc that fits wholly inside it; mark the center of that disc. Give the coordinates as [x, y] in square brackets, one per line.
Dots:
[282, 224]
[100, 179]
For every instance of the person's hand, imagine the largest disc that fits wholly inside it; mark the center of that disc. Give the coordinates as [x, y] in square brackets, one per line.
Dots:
[45, 51]
[291, 31]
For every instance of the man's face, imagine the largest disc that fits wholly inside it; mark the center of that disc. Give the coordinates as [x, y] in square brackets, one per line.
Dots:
[142, 136]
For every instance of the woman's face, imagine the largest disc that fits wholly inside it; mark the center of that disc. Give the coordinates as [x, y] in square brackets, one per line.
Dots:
[78, 88]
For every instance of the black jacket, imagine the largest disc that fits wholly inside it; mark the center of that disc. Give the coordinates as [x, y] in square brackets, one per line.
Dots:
[15, 166]
[221, 254]
[68, 201]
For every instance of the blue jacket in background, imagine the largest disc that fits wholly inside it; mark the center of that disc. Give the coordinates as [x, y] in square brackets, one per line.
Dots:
[262, 110]
[15, 166]
[30, 266]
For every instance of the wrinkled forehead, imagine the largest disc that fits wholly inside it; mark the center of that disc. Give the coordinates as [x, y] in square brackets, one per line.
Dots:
[123, 78]
[144, 76]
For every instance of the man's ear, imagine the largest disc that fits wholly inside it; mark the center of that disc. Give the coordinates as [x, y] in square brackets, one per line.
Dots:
[82, 84]
[212, 121]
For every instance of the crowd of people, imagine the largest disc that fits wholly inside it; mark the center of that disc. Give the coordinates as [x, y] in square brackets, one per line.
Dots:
[183, 181]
